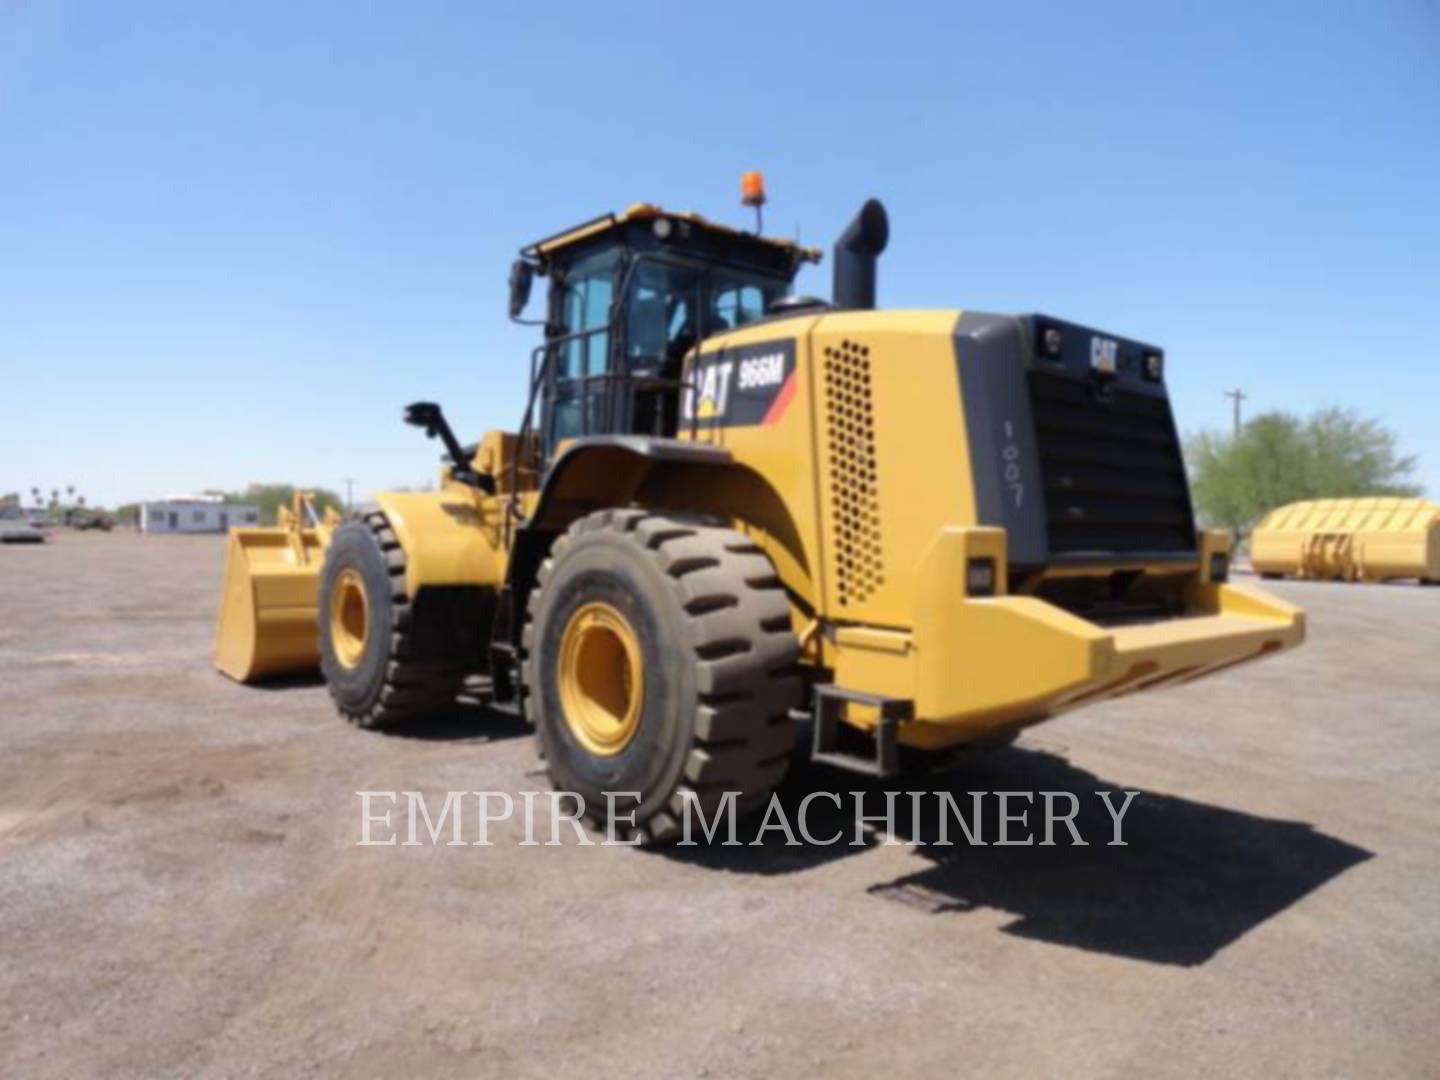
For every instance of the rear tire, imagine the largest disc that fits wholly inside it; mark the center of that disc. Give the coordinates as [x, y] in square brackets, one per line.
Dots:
[695, 625]
[367, 632]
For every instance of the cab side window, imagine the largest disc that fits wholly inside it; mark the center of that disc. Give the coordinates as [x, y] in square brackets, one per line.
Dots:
[589, 290]
[737, 303]
[586, 293]
[660, 320]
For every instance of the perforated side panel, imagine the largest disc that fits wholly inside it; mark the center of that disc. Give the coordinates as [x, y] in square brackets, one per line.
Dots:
[854, 496]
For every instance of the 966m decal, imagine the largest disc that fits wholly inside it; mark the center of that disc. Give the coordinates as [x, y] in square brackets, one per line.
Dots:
[740, 387]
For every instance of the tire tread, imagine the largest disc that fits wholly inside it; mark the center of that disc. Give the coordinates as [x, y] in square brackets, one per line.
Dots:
[748, 675]
[412, 688]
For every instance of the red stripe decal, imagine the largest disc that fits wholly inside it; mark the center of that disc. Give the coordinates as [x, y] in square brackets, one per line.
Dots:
[782, 400]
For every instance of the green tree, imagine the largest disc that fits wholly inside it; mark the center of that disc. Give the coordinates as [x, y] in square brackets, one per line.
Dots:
[1279, 458]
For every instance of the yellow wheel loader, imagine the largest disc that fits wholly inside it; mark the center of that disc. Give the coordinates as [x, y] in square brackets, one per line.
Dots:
[730, 514]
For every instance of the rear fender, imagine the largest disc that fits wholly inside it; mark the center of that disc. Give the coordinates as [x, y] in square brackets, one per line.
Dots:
[592, 474]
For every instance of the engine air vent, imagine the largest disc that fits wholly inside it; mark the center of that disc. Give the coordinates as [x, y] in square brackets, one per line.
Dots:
[854, 494]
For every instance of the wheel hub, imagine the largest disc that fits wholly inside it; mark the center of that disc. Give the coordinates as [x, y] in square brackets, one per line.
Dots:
[349, 617]
[602, 679]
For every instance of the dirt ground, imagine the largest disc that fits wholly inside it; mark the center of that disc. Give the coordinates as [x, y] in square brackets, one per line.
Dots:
[181, 893]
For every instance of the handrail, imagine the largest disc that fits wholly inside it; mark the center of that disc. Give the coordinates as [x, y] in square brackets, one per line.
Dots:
[545, 354]
[527, 426]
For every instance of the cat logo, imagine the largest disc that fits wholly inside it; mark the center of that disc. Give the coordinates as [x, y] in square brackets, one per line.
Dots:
[714, 390]
[1104, 355]
[740, 387]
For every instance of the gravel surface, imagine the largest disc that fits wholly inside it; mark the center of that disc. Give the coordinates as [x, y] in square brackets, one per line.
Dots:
[181, 892]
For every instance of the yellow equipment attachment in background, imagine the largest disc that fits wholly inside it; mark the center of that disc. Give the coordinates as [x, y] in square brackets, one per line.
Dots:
[1372, 539]
[267, 623]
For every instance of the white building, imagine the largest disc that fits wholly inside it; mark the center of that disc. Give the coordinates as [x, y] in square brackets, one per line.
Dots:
[195, 514]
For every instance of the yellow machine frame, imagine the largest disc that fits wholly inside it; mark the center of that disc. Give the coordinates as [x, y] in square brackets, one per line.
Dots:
[856, 481]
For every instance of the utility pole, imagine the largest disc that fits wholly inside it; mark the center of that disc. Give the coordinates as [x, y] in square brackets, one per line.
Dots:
[1237, 396]
[349, 494]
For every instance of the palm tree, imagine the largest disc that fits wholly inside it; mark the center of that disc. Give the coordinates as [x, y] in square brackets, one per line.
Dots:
[35, 494]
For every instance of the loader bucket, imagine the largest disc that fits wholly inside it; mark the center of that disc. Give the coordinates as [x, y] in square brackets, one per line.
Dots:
[267, 624]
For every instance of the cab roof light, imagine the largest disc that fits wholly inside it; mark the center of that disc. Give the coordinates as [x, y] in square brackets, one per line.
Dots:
[752, 193]
[752, 189]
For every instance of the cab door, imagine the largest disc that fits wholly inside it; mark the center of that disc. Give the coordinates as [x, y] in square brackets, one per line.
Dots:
[577, 389]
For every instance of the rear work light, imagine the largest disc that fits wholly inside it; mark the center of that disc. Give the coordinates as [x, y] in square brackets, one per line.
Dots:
[980, 577]
[1219, 567]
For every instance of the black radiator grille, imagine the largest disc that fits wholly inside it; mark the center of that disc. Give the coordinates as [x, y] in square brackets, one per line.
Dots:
[1112, 468]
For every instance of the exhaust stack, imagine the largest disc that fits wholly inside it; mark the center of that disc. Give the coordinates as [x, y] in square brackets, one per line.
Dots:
[855, 253]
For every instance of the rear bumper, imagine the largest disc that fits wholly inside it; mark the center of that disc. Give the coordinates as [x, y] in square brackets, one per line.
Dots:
[976, 667]
[1248, 625]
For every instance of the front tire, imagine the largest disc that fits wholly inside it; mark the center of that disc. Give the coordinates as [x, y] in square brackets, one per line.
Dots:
[659, 659]
[377, 675]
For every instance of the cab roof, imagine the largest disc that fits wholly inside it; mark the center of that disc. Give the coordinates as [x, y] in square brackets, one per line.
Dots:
[544, 250]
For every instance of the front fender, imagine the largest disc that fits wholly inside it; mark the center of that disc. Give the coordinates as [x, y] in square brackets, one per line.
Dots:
[450, 537]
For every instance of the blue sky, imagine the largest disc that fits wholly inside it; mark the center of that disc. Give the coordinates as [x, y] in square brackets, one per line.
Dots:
[236, 238]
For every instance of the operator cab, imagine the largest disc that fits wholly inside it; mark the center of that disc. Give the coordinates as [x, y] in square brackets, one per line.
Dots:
[630, 295]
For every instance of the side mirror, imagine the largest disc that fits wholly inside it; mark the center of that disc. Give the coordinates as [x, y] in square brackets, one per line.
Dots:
[522, 274]
[428, 415]
[425, 414]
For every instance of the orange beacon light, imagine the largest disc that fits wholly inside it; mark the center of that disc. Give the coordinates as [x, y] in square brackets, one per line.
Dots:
[752, 189]
[752, 193]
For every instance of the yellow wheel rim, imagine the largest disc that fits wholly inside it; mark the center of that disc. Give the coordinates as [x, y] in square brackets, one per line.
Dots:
[602, 679]
[349, 617]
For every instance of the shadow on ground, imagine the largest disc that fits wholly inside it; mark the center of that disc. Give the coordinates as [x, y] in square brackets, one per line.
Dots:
[469, 719]
[465, 721]
[304, 681]
[1190, 880]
